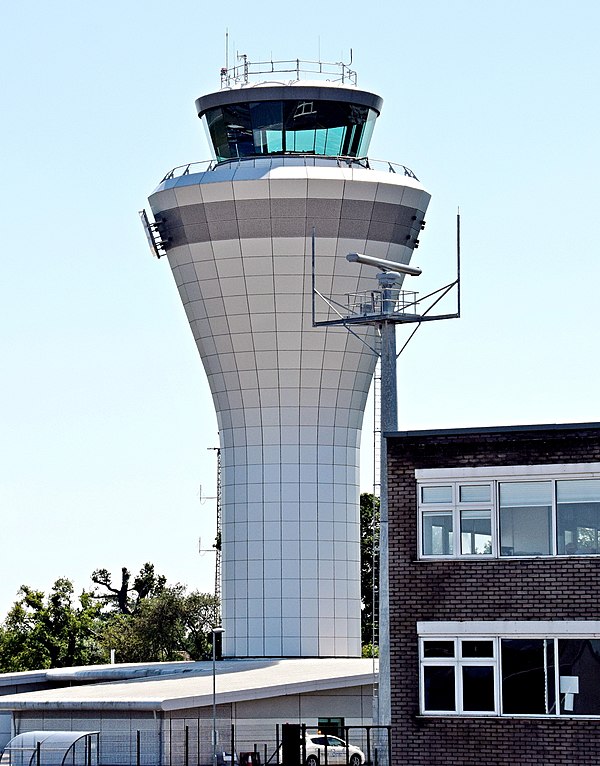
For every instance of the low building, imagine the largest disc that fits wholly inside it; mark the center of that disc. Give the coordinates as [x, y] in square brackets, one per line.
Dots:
[494, 581]
[162, 714]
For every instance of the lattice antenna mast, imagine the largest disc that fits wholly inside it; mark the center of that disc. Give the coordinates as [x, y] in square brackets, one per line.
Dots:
[219, 527]
[216, 546]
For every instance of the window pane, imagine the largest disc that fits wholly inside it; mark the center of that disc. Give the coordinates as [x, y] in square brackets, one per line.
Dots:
[478, 688]
[476, 493]
[439, 688]
[579, 663]
[477, 648]
[476, 532]
[437, 534]
[525, 518]
[578, 512]
[525, 493]
[578, 491]
[523, 676]
[438, 648]
[436, 494]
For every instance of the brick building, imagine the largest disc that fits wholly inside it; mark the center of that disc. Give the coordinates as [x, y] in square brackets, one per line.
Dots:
[494, 536]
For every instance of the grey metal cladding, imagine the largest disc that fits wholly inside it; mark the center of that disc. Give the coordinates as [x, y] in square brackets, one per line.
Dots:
[285, 93]
[403, 235]
[288, 227]
[357, 208]
[292, 207]
[220, 211]
[353, 228]
[324, 227]
[222, 230]
[263, 218]
[255, 228]
[409, 216]
[191, 214]
[323, 208]
[386, 212]
[381, 231]
[252, 208]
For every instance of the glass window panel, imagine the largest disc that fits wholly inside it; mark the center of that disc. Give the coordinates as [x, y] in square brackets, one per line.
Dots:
[476, 532]
[523, 676]
[525, 493]
[478, 688]
[475, 493]
[439, 688]
[578, 528]
[437, 534]
[436, 494]
[438, 648]
[579, 675]
[525, 518]
[578, 491]
[477, 648]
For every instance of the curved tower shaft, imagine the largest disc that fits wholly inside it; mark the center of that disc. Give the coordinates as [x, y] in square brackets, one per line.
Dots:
[289, 397]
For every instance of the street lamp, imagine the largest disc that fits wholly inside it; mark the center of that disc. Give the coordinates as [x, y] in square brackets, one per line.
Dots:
[215, 631]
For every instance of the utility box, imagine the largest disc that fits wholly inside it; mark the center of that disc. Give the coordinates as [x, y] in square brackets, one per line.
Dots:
[291, 744]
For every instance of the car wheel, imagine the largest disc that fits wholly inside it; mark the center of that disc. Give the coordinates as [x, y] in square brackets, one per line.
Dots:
[312, 760]
[354, 760]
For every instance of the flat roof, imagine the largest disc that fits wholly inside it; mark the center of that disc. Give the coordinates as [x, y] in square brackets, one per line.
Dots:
[491, 429]
[189, 684]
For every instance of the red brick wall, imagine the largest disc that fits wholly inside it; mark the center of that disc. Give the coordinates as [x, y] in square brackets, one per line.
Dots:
[536, 589]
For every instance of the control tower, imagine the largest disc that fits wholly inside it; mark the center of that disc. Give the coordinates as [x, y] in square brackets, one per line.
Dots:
[289, 173]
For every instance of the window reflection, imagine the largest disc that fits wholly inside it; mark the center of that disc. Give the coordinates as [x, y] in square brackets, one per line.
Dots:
[329, 128]
[578, 516]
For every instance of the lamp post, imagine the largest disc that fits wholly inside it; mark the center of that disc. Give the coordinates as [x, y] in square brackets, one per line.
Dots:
[215, 631]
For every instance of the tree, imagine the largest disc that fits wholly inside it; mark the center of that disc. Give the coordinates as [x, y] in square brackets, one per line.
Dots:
[171, 625]
[369, 541]
[124, 598]
[50, 632]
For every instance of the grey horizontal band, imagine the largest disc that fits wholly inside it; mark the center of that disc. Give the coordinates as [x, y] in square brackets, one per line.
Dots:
[264, 218]
[288, 93]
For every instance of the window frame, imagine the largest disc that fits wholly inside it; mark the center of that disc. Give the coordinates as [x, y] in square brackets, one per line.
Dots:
[458, 662]
[497, 631]
[493, 476]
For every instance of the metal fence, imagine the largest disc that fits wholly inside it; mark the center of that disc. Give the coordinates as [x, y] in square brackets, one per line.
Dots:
[189, 742]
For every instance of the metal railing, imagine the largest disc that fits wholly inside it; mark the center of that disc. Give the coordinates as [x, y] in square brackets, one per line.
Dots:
[307, 160]
[242, 73]
[370, 302]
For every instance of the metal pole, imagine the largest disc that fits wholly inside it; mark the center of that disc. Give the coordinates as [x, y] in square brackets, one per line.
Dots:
[215, 632]
[389, 422]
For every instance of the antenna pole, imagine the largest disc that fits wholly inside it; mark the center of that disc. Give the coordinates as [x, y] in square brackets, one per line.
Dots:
[458, 259]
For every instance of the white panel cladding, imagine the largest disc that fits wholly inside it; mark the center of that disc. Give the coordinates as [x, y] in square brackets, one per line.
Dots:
[290, 398]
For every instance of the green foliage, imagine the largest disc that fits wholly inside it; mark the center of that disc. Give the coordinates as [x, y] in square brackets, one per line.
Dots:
[145, 622]
[124, 598]
[172, 625]
[369, 540]
[50, 632]
[368, 650]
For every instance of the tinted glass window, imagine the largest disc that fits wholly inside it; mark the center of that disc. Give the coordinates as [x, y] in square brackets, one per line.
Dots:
[439, 688]
[523, 676]
[478, 688]
[525, 518]
[253, 129]
[579, 663]
[438, 648]
[578, 511]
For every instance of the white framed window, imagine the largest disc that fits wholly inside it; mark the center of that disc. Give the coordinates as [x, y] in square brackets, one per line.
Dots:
[513, 674]
[458, 675]
[469, 513]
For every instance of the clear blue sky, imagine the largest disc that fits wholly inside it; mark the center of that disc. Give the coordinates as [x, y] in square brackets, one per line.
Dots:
[106, 419]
